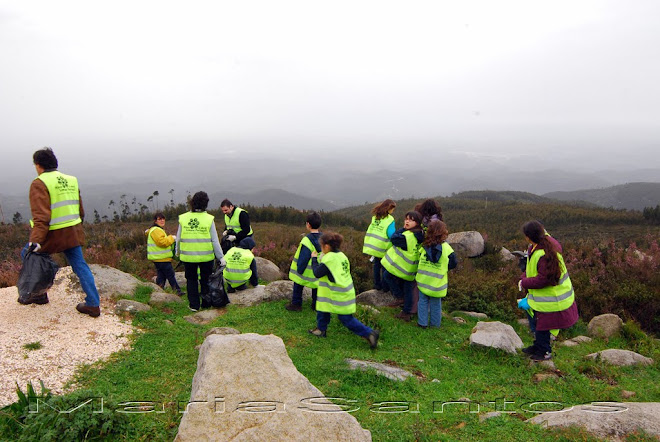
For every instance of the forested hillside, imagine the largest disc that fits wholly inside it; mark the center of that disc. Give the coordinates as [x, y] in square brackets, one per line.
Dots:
[634, 196]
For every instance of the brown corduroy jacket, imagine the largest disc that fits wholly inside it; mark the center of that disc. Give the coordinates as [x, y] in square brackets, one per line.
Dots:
[52, 241]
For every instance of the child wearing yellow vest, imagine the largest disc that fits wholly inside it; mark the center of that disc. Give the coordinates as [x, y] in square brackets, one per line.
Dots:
[377, 238]
[301, 272]
[336, 293]
[435, 260]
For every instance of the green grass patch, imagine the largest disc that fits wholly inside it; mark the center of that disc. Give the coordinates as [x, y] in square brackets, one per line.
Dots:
[32, 346]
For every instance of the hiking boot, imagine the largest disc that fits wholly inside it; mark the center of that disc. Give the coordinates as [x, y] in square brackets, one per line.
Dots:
[373, 338]
[541, 356]
[318, 333]
[529, 350]
[43, 299]
[91, 311]
[179, 292]
[193, 309]
[396, 303]
[293, 307]
[421, 326]
[404, 316]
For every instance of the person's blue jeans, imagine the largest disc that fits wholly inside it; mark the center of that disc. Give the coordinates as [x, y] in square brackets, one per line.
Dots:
[429, 306]
[165, 272]
[296, 299]
[532, 321]
[75, 258]
[401, 289]
[349, 321]
[542, 341]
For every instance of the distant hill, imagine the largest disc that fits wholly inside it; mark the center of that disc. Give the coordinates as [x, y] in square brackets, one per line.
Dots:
[501, 196]
[276, 198]
[632, 196]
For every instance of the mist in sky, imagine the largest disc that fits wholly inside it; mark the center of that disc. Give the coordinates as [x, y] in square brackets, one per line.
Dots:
[372, 83]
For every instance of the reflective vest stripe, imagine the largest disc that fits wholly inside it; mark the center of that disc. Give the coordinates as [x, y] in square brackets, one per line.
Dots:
[378, 237]
[335, 302]
[376, 241]
[431, 274]
[155, 252]
[192, 240]
[430, 287]
[561, 297]
[238, 271]
[334, 288]
[195, 252]
[373, 247]
[307, 278]
[62, 219]
[389, 259]
[167, 252]
[64, 203]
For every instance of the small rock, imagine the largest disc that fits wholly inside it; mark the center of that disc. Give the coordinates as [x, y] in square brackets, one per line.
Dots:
[471, 314]
[435, 380]
[168, 322]
[393, 373]
[621, 357]
[506, 255]
[575, 341]
[371, 309]
[203, 317]
[523, 321]
[158, 298]
[490, 415]
[627, 394]
[605, 326]
[459, 320]
[222, 331]
[545, 364]
[127, 305]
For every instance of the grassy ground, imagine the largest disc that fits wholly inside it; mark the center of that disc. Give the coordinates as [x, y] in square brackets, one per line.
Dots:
[162, 363]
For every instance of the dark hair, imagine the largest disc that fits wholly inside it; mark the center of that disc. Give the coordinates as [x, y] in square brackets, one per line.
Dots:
[199, 201]
[226, 203]
[332, 239]
[417, 217]
[45, 158]
[314, 220]
[535, 231]
[159, 215]
[381, 210]
[428, 208]
[436, 233]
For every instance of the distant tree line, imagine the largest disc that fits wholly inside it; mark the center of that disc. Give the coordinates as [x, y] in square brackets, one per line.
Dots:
[652, 214]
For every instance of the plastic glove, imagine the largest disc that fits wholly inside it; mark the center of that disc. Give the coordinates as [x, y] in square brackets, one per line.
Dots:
[231, 238]
[523, 304]
[224, 233]
[35, 246]
[175, 238]
[223, 262]
[520, 285]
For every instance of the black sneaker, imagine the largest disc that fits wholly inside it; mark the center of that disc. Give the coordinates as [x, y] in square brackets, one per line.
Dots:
[373, 338]
[318, 333]
[541, 356]
[529, 350]
[293, 307]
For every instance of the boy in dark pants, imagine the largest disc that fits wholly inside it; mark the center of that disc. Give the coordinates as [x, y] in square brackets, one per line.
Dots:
[301, 270]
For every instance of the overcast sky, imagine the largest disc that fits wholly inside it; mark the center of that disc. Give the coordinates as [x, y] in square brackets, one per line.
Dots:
[130, 78]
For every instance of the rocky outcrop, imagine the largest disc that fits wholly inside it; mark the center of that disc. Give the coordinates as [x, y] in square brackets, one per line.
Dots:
[620, 357]
[246, 388]
[158, 298]
[470, 314]
[374, 297]
[110, 282]
[613, 420]
[204, 317]
[470, 244]
[267, 270]
[604, 326]
[496, 335]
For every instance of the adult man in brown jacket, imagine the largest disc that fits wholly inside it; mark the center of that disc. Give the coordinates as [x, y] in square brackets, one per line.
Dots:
[57, 214]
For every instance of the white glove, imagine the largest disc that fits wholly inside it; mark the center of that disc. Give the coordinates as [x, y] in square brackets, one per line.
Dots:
[175, 238]
[36, 245]
[231, 238]
[224, 233]
[520, 285]
[223, 262]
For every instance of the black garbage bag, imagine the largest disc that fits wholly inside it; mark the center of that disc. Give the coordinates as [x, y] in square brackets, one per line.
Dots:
[36, 276]
[225, 244]
[217, 295]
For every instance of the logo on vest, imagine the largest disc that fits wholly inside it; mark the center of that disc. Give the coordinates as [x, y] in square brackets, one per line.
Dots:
[193, 223]
[377, 222]
[236, 256]
[63, 183]
[344, 266]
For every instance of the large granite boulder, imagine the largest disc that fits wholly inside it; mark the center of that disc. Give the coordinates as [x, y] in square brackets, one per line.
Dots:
[158, 298]
[604, 326]
[496, 335]
[470, 244]
[376, 298]
[267, 270]
[129, 306]
[620, 357]
[246, 388]
[110, 282]
[278, 290]
[612, 420]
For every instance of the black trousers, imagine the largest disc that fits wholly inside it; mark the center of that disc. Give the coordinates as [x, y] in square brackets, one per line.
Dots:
[197, 284]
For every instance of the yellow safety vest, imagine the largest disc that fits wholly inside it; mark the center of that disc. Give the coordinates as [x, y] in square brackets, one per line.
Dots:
[376, 241]
[339, 296]
[195, 243]
[233, 222]
[553, 298]
[155, 252]
[64, 199]
[403, 263]
[431, 277]
[307, 278]
[237, 272]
